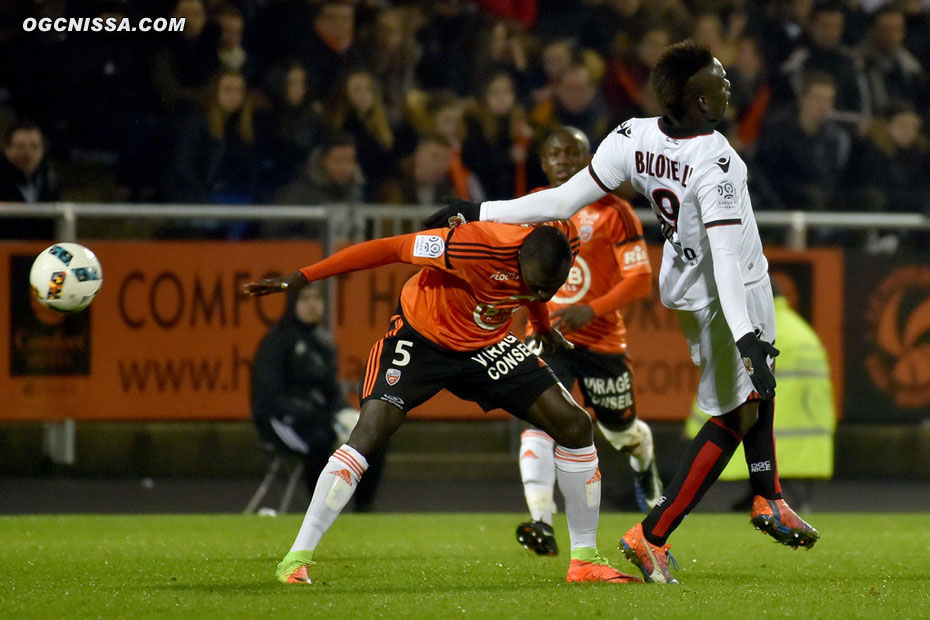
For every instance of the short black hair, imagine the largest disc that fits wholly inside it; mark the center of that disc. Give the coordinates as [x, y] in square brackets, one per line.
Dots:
[549, 248]
[675, 67]
[21, 125]
[335, 139]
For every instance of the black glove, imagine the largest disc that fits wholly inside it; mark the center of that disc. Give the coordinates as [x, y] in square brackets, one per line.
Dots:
[456, 211]
[755, 353]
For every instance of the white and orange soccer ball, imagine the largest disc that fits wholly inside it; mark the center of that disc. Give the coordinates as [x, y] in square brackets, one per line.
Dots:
[66, 277]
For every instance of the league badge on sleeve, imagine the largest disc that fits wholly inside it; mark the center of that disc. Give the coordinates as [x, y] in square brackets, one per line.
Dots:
[428, 246]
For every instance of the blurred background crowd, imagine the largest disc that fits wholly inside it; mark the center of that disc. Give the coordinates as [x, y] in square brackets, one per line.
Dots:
[411, 101]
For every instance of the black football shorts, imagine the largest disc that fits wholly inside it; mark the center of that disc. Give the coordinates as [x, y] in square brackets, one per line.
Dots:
[606, 380]
[406, 369]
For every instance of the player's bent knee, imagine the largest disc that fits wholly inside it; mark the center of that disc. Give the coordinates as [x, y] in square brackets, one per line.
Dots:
[377, 421]
[575, 428]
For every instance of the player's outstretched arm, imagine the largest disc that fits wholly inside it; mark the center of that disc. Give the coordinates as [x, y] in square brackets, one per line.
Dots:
[266, 286]
[357, 257]
[555, 203]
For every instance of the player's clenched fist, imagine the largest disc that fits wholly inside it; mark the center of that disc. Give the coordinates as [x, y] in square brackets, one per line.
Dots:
[755, 353]
[544, 343]
[266, 286]
[456, 212]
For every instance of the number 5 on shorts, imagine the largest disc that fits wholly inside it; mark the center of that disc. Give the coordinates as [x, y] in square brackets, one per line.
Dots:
[401, 349]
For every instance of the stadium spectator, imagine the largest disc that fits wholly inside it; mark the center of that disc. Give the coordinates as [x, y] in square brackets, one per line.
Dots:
[232, 56]
[888, 171]
[498, 144]
[184, 66]
[215, 159]
[522, 12]
[714, 275]
[278, 33]
[710, 30]
[554, 58]
[111, 119]
[25, 176]
[917, 39]
[502, 48]
[439, 340]
[611, 270]
[331, 50]
[357, 108]
[331, 175]
[892, 72]
[824, 52]
[779, 24]
[297, 401]
[627, 75]
[446, 41]
[291, 124]
[802, 156]
[750, 94]
[424, 177]
[576, 101]
[391, 54]
[608, 26]
[445, 116]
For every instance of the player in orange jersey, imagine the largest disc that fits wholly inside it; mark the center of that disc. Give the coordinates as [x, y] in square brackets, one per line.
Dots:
[611, 270]
[452, 331]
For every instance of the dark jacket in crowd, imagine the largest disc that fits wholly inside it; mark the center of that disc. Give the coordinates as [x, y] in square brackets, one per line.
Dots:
[294, 380]
[15, 187]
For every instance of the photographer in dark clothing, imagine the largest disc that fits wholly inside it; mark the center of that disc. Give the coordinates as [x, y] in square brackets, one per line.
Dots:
[297, 402]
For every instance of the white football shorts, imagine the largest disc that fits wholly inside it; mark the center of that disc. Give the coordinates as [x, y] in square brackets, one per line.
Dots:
[725, 384]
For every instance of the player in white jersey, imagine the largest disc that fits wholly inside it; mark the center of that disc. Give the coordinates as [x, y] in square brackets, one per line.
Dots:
[713, 274]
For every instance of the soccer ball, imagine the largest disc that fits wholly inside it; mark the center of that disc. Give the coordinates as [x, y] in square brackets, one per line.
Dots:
[66, 277]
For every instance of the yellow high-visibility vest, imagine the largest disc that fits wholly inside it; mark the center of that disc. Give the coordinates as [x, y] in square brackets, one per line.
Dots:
[805, 416]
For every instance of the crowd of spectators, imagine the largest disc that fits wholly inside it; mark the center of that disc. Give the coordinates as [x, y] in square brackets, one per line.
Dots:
[410, 101]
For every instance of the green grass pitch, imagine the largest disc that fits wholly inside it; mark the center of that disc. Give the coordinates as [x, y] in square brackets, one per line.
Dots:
[449, 566]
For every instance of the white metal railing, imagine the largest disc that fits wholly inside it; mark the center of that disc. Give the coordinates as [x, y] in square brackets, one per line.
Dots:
[356, 222]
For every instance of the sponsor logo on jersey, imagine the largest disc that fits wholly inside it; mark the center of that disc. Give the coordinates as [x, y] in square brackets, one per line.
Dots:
[899, 329]
[577, 284]
[491, 317]
[429, 246]
[499, 359]
[587, 216]
[586, 232]
[635, 256]
[503, 276]
[624, 129]
[724, 163]
[392, 376]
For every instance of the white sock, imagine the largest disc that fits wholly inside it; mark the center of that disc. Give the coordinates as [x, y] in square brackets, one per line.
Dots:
[537, 469]
[636, 440]
[580, 484]
[334, 489]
